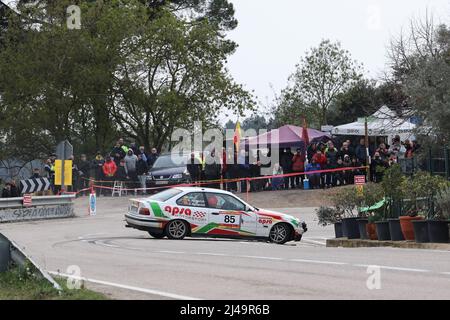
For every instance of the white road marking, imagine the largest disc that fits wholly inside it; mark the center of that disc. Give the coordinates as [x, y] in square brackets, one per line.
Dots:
[313, 242]
[319, 262]
[109, 245]
[393, 268]
[171, 252]
[127, 287]
[210, 254]
[257, 257]
[284, 259]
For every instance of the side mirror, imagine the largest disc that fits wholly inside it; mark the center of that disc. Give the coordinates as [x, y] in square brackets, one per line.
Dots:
[249, 209]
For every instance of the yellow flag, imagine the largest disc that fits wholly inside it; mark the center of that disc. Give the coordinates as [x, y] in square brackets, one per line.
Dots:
[237, 135]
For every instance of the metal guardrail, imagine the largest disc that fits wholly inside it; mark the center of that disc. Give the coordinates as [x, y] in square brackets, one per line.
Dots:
[10, 203]
[11, 252]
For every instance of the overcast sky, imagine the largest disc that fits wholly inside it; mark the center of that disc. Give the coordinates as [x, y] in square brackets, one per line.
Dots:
[273, 35]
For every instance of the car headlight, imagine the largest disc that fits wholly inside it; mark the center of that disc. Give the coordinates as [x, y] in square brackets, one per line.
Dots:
[177, 176]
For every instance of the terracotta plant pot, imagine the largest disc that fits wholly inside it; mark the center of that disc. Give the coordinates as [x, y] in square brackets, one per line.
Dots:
[407, 226]
[371, 229]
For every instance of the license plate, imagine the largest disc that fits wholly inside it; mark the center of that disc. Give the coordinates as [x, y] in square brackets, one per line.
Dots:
[134, 209]
[162, 182]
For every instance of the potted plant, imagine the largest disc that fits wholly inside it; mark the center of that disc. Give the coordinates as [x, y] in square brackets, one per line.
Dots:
[372, 193]
[371, 227]
[328, 216]
[347, 201]
[438, 227]
[393, 185]
[421, 191]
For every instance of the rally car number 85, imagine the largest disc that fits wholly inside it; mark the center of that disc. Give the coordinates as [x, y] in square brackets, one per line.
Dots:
[187, 212]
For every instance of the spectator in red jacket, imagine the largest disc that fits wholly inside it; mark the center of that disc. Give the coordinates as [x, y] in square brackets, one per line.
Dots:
[298, 165]
[321, 160]
[109, 169]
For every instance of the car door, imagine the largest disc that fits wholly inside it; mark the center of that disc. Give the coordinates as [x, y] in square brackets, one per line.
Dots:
[192, 208]
[227, 216]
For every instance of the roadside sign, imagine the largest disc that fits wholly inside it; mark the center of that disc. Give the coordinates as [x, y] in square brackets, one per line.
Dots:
[93, 204]
[67, 172]
[27, 200]
[64, 150]
[63, 174]
[360, 180]
[327, 128]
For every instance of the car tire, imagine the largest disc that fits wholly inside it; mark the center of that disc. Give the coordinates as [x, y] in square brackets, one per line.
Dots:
[157, 235]
[177, 230]
[280, 233]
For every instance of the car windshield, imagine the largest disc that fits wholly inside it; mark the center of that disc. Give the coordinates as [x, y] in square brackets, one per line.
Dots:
[165, 195]
[170, 161]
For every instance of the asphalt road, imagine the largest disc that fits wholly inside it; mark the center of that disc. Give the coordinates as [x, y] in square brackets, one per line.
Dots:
[129, 264]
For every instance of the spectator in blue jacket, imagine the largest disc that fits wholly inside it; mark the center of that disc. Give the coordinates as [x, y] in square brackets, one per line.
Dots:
[314, 178]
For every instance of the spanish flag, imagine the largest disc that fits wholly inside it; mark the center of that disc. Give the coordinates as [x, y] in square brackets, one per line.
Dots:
[237, 135]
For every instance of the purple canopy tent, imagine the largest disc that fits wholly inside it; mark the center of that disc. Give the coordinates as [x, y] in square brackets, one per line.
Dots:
[288, 137]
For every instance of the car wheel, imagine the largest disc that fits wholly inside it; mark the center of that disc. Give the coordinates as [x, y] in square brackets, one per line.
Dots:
[177, 230]
[280, 233]
[157, 235]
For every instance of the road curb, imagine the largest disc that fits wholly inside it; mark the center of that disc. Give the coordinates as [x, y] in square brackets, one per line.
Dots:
[357, 243]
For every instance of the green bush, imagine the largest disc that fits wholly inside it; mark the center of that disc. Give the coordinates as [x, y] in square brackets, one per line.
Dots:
[443, 205]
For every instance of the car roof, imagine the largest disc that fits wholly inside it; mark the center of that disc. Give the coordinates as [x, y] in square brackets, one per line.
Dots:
[200, 189]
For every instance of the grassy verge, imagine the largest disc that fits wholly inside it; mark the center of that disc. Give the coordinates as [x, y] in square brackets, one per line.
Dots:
[17, 284]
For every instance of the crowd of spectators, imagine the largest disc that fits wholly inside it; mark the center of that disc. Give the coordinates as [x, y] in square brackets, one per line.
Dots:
[131, 164]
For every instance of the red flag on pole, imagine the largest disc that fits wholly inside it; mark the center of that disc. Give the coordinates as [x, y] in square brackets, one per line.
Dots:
[305, 134]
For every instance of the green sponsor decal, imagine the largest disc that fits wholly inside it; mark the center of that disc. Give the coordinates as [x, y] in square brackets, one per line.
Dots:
[295, 223]
[207, 228]
[157, 210]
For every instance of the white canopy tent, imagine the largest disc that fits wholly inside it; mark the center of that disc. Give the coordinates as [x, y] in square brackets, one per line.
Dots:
[382, 123]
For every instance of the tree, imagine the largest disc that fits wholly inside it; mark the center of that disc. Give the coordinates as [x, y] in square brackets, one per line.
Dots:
[358, 101]
[132, 70]
[174, 76]
[420, 64]
[323, 74]
[291, 109]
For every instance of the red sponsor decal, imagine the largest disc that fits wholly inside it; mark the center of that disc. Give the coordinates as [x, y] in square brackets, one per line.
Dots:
[178, 211]
[277, 217]
[223, 232]
[265, 221]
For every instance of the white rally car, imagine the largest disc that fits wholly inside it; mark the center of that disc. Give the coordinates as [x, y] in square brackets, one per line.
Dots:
[187, 212]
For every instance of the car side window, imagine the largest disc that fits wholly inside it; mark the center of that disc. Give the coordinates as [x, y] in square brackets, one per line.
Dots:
[224, 202]
[195, 199]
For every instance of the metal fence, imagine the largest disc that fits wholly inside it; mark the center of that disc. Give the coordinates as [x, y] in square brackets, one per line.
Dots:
[12, 203]
[436, 162]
